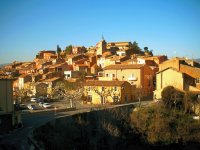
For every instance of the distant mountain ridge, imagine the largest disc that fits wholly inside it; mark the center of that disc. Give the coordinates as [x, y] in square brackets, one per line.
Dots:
[1, 65]
[198, 60]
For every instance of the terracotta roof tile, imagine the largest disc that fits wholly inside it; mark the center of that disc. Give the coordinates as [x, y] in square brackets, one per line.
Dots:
[104, 83]
[24, 75]
[6, 78]
[52, 79]
[123, 66]
[58, 65]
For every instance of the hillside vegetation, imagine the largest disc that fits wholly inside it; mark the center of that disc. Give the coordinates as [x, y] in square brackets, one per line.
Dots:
[153, 127]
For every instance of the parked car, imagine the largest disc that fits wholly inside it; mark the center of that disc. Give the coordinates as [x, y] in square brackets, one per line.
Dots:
[33, 99]
[46, 105]
[32, 107]
[41, 104]
[40, 100]
[23, 106]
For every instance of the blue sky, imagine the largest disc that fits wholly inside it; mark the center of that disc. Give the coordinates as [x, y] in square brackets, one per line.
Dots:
[170, 27]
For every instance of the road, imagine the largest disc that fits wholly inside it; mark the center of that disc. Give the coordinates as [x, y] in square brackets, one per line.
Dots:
[18, 139]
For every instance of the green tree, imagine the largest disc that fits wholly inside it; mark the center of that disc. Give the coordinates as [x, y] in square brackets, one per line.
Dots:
[151, 52]
[63, 87]
[190, 102]
[136, 47]
[172, 98]
[20, 95]
[58, 50]
[158, 124]
[68, 49]
[146, 49]
[167, 96]
[41, 90]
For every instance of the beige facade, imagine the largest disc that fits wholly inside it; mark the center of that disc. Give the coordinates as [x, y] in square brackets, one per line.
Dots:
[139, 75]
[183, 74]
[101, 92]
[24, 79]
[120, 45]
[172, 77]
[174, 63]
[101, 47]
[105, 61]
[180, 64]
[111, 60]
[47, 55]
[78, 49]
[51, 83]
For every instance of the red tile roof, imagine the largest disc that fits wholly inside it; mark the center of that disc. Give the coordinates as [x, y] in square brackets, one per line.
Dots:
[24, 75]
[122, 66]
[104, 83]
[6, 78]
[52, 79]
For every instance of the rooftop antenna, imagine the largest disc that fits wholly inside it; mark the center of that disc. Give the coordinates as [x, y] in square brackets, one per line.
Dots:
[102, 37]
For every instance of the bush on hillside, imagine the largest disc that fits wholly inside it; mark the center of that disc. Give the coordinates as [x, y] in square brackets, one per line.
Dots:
[172, 98]
[160, 125]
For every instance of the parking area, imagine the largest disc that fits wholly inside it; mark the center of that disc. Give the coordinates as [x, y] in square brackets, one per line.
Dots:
[31, 107]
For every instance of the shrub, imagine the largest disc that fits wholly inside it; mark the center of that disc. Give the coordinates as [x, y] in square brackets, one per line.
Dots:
[172, 98]
[160, 125]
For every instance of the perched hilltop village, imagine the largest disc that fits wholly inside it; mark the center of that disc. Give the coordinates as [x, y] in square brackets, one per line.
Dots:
[114, 65]
[109, 72]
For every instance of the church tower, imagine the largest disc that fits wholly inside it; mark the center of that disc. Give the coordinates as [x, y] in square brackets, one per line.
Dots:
[101, 47]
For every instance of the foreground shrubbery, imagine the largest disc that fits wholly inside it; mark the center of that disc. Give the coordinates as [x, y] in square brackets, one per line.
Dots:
[106, 129]
[170, 121]
[159, 125]
[122, 128]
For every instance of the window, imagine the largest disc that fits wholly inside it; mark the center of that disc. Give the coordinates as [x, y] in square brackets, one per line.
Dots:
[59, 69]
[89, 88]
[102, 88]
[197, 80]
[107, 75]
[113, 75]
[89, 98]
[115, 99]
[115, 88]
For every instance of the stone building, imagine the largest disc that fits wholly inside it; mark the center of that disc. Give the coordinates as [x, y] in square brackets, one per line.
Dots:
[100, 47]
[139, 75]
[181, 73]
[101, 92]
